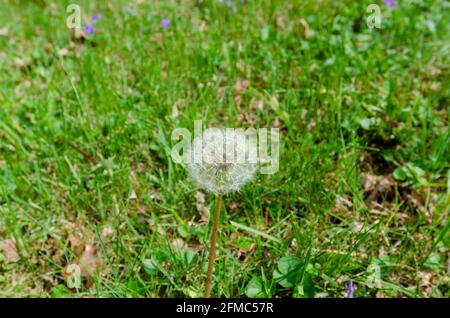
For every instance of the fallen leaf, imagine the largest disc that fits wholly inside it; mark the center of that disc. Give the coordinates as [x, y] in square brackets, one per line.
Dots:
[21, 63]
[141, 168]
[4, 31]
[63, 52]
[241, 86]
[74, 240]
[177, 244]
[180, 103]
[107, 231]
[204, 212]
[76, 243]
[200, 196]
[281, 23]
[426, 279]
[10, 251]
[133, 196]
[238, 100]
[305, 25]
[89, 261]
[233, 206]
[175, 111]
[374, 186]
[155, 195]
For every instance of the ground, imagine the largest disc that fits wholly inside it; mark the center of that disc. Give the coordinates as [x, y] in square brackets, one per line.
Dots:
[91, 203]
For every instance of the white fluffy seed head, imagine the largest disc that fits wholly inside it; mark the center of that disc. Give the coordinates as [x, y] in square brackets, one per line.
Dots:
[222, 161]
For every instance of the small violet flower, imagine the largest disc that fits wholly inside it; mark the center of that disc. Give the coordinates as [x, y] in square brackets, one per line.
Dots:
[96, 17]
[165, 23]
[391, 3]
[89, 29]
[350, 289]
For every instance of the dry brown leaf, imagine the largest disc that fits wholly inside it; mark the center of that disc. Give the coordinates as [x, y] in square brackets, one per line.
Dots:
[281, 23]
[419, 199]
[107, 231]
[4, 31]
[343, 203]
[74, 240]
[238, 100]
[141, 168]
[10, 251]
[233, 206]
[374, 186]
[257, 104]
[305, 25]
[155, 195]
[89, 261]
[133, 196]
[241, 86]
[175, 111]
[200, 196]
[21, 63]
[426, 279]
[63, 52]
[221, 92]
[178, 244]
[276, 123]
[76, 244]
[204, 212]
[380, 294]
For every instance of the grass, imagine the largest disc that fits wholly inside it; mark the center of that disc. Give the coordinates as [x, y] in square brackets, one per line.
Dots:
[86, 177]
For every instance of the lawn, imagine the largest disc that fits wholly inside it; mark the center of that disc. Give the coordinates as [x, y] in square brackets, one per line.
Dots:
[92, 204]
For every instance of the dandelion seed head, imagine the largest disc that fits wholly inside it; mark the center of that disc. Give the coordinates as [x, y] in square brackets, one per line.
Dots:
[221, 161]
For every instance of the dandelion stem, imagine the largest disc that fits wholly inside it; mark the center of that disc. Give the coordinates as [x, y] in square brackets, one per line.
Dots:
[212, 250]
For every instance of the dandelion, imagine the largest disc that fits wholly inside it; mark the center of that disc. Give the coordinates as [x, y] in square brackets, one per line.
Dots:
[350, 289]
[165, 23]
[221, 161]
[391, 3]
[227, 160]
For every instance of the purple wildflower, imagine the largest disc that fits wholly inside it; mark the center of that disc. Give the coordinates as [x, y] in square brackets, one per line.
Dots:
[89, 29]
[391, 3]
[229, 3]
[350, 289]
[96, 17]
[165, 23]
